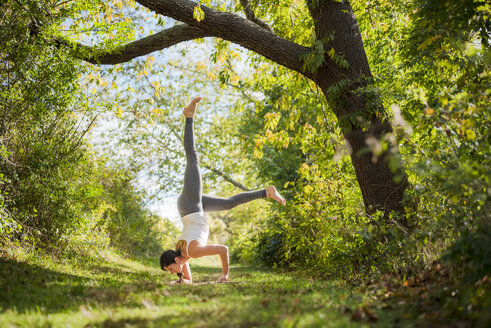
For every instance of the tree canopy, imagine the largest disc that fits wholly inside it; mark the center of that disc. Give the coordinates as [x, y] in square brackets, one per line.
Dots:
[335, 62]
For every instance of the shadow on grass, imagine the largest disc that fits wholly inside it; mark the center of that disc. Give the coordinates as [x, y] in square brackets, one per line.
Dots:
[163, 321]
[246, 301]
[235, 270]
[28, 287]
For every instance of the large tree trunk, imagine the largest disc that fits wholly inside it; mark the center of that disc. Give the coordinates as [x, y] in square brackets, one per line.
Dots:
[361, 114]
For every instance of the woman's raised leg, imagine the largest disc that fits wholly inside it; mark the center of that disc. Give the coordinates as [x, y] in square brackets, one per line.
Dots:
[190, 199]
[215, 204]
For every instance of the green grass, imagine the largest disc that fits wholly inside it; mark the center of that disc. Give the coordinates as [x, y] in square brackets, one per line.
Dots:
[115, 291]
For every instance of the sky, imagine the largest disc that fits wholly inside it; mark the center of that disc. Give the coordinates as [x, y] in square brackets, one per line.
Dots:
[165, 204]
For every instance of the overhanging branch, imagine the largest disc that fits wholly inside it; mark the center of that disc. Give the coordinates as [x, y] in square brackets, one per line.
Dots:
[144, 46]
[235, 29]
[218, 24]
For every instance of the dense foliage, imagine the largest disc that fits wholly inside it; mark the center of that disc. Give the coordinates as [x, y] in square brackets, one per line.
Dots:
[434, 74]
[437, 86]
[55, 193]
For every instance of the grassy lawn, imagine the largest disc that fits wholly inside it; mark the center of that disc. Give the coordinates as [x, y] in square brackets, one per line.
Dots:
[114, 291]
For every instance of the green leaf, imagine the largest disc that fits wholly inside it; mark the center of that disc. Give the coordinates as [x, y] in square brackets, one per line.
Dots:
[331, 53]
[198, 13]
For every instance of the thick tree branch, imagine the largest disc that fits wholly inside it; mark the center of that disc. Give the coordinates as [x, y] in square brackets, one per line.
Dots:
[219, 24]
[250, 15]
[235, 29]
[144, 46]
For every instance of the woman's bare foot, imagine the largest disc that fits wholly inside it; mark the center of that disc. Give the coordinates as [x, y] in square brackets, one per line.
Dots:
[272, 193]
[191, 108]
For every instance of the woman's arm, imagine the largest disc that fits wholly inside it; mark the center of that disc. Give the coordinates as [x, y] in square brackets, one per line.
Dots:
[196, 250]
[187, 278]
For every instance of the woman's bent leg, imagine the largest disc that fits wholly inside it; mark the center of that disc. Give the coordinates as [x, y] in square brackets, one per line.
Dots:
[190, 199]
[215, 204]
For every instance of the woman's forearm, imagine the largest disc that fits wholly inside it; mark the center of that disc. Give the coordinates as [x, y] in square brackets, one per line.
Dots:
[225, 260]
[186, 270]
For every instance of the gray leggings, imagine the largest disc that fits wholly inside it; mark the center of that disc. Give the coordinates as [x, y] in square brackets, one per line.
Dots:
[192, 199]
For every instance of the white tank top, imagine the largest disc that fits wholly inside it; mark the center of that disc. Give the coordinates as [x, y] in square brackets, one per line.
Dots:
[194, 227]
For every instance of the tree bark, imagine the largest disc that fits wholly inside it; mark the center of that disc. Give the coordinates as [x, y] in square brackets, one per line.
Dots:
[161, 40]
[235, 29]
[360, 112]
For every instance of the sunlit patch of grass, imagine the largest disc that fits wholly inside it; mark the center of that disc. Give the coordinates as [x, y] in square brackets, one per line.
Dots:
[116, 291]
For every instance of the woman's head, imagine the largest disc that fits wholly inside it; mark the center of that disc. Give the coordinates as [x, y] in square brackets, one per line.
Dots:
[170, 260]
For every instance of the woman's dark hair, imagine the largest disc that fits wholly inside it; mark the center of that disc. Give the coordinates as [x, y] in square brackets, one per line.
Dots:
[168, 257]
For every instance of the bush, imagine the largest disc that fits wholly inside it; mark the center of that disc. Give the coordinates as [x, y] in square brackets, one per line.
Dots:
[436, 80]
[131, 227]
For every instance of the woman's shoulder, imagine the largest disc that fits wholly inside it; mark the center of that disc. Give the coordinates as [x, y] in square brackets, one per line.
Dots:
[181, 248]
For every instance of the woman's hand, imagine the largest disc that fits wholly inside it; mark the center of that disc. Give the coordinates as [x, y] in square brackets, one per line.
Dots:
[182, 281]
[223, 278]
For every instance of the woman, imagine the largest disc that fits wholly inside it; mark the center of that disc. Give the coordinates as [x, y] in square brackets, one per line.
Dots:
[192, 205]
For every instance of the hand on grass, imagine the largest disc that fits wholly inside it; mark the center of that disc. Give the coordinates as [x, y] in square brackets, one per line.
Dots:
[183, 281]
[223, 278]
